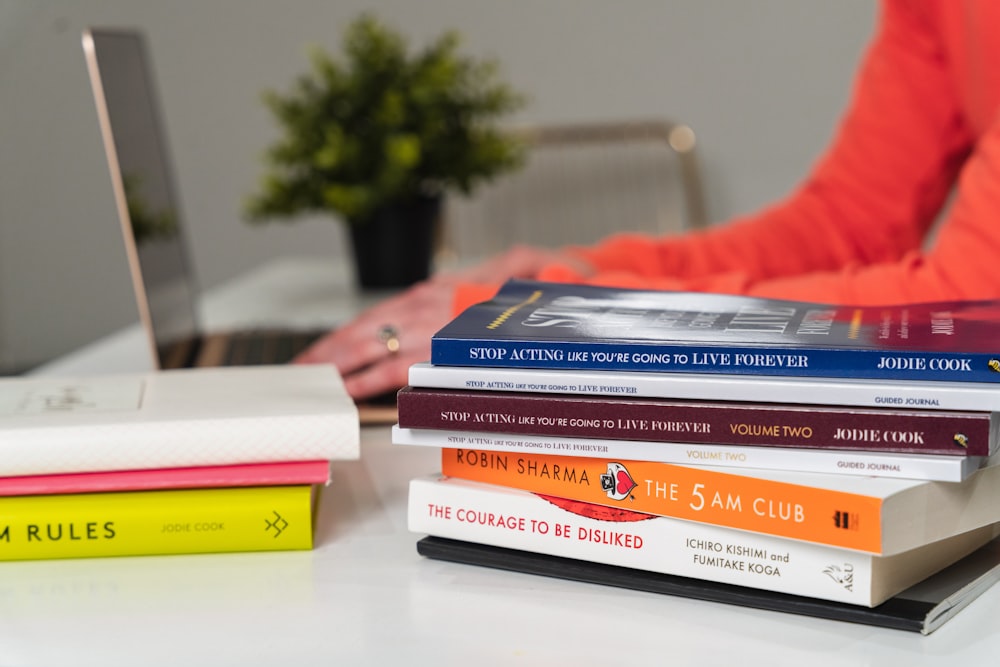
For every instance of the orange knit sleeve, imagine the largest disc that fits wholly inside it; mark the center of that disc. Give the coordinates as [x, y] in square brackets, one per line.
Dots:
[856, 230]
[869, 201]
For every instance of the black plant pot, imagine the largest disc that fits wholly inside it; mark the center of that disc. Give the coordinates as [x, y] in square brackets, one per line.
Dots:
[394, 246]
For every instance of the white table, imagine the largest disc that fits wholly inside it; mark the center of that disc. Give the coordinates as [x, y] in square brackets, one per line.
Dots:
[364, 596]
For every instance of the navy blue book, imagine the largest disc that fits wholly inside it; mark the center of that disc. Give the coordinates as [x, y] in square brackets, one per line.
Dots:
[531, 324]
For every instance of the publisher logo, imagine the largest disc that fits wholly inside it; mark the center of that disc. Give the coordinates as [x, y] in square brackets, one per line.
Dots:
[842, 575]
[846, 520]
[277, 524]
[617, 482]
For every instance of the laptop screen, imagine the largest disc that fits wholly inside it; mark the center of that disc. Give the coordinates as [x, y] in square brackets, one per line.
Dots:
[141, 174]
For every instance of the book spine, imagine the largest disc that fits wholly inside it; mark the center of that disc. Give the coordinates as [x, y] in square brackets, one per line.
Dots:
[156, 522]
[899, 466]
[718, 423]
[863, 393]
[282, 473]
[519, 520]
[771, 507]
[672, 357]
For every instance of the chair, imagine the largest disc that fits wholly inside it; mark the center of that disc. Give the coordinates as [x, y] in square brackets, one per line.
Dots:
[579, 184]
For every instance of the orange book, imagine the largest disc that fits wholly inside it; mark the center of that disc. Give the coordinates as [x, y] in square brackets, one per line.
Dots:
[876, 515]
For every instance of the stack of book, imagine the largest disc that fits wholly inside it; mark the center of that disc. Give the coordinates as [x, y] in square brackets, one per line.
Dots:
[169, 462]
[786, 455]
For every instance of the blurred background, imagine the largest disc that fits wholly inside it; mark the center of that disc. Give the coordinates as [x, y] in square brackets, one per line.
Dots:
[762, 83]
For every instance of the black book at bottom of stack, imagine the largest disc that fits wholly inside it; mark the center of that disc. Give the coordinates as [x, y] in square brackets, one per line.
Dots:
[921, 608]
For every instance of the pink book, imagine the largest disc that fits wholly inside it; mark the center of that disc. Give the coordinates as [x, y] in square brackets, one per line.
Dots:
[252, 474]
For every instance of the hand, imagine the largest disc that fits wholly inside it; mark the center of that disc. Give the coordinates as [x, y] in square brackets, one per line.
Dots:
[372, 362]
[519, 262]
[364, 355]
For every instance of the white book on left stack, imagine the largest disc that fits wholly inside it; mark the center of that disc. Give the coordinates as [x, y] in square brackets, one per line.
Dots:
[175, 418]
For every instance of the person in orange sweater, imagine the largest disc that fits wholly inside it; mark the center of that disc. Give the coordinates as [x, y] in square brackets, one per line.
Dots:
[924, 121]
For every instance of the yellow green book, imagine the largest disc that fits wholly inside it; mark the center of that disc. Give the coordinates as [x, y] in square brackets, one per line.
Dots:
[272, 518]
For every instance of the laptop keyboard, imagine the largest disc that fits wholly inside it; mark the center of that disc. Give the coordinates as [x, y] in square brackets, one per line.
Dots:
[262, 347]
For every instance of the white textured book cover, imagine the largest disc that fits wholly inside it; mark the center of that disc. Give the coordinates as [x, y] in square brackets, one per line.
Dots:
[503, 517]
[189, 417]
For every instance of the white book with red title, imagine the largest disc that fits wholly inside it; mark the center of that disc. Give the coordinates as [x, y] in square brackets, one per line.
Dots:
[504, 517]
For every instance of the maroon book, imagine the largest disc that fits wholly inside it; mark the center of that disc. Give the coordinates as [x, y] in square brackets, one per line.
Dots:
[707, 422]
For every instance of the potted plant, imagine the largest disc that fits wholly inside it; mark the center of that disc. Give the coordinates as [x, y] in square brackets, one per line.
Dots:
[379, 136]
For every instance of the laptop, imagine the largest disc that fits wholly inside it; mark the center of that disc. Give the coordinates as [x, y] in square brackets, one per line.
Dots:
[151, 218]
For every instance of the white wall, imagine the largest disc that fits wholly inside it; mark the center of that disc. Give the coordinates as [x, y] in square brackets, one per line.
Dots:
[761, 81]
